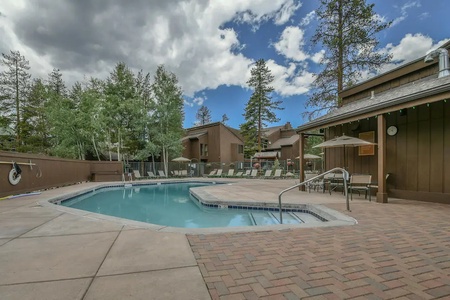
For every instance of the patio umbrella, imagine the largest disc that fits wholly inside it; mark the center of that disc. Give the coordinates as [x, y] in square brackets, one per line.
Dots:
[343, 141]
[309, 156]
[181, 159]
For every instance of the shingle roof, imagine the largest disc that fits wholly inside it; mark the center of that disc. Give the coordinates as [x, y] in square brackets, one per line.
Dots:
[403, 94]
[194, 135]
[284, 142]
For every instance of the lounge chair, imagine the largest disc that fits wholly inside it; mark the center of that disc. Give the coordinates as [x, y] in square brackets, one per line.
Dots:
[137, 174]
[239, 174]
[277, 174]
[254, 173]
[161, 173]
[151, 175]
[247, 173]
[268, 174]
[183, 173]
[360, 183]
[212, 173]
[230, 173]
[289, 175]
[218, 173]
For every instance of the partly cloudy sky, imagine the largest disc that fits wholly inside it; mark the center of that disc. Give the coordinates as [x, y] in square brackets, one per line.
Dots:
[210, 45]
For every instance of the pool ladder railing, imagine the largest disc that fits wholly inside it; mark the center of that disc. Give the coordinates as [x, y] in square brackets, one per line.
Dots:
[344, 174]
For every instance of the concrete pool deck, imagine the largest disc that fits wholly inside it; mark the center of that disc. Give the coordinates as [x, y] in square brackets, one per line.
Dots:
[399, 249]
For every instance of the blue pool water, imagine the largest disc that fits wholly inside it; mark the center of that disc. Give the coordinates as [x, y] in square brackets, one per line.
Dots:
[171, 205]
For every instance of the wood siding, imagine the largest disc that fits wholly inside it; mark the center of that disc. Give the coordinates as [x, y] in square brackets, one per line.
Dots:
[418, 156]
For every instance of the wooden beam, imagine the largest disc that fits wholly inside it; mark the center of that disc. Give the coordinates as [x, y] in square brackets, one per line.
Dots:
[382, 195]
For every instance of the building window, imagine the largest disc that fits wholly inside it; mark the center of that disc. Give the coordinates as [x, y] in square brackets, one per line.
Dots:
[204, 149]
[240, 149]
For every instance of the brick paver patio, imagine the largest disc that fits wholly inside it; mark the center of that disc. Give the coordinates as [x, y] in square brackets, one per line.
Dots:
[399, 250]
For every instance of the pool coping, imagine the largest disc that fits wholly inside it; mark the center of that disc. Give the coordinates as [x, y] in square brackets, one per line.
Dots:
[333, 217]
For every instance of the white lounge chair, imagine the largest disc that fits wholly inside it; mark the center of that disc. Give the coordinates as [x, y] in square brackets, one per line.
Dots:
[161, 173]
[277, 174]
[151, 175]
[254, 173]
[230, 173]
[137, 174]
[268, 173]
[219, 173]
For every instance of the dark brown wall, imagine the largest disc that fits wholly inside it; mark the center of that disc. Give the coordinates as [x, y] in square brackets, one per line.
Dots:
[229, 146]
[52, 172]
[418, 156]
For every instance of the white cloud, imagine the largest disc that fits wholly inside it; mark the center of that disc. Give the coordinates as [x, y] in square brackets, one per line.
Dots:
[404, 11]
[188, 37]
[288, 80]
[286, 12]
[291, 43]
[317, 57]
[308, 18]
[411, 47]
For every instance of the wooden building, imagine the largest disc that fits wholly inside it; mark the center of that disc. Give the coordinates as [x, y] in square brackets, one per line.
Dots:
[283, 140]
[213, 142]
[406, 111]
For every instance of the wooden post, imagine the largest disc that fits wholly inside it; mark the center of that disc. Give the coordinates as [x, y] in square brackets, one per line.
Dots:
[301, 160]
[382, 195]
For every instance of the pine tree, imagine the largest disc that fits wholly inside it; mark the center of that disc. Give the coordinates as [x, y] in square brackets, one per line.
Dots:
[56, 84]
[14, 88]
[203, 116]
[260, 109]
[224, 119]
[347, 30]
[35, 128]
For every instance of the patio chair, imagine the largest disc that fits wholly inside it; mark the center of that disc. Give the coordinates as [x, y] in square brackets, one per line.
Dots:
[239, 174]
[212, 173]
[360, 183]
[218, 173]
[137, 174]
[277, 174]
[310, 185]
[230, 173]
[151, 175]
[254, 173]
[161, 173]
[247, 173]
[268, 174]
[336, 182]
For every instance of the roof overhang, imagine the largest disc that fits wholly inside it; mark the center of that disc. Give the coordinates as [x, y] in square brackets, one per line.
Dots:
[366, 109]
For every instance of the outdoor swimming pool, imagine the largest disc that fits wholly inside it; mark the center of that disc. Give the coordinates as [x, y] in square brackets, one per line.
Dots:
[173, 205]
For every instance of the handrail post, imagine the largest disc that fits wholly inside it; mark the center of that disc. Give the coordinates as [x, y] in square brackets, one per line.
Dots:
[344, 175]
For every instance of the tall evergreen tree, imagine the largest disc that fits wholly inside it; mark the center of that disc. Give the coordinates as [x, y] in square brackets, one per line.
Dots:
[35, 128]
[347, 30]
[260, 108]
[203, 116]
[169, 115]
[56, 83]
[224, 119]
[14, 88]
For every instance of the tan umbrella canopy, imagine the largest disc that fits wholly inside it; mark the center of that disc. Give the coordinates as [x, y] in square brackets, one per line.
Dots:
[181, 159]
[343, 141]
[309, 156]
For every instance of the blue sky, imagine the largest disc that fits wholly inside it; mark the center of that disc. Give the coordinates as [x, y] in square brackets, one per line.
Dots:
[209, 45]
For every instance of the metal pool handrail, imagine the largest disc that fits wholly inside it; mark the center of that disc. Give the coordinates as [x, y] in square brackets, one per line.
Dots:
[344, 174]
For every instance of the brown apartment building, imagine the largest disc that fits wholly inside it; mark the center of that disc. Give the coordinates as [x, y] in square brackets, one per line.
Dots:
[280, 142]
[213, 142]
[406, 111]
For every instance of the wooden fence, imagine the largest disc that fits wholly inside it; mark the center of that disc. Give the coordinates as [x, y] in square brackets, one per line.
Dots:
[42, 172]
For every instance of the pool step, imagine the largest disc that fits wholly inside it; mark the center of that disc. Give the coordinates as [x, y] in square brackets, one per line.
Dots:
[271, 218]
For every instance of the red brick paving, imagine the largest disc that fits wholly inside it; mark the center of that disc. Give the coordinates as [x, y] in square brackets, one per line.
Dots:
[399, 250]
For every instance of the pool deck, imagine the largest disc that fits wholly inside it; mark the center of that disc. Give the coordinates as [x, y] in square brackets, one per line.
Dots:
[397, 250]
